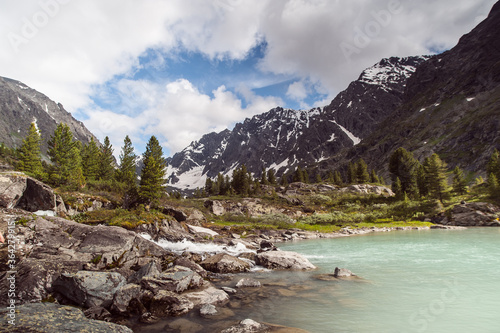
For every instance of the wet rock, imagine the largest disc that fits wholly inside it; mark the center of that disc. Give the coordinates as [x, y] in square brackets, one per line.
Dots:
[248, 283]
[12, 186]
[224, 263]
[89, 289]
[284, 260]
[123, 297]
[167, 303]
[247, 326]
[202, 231]
[211, 295]
[176, 279]
[208, 310]
[182, 261]
[342, 272]
[50, 317]
[173, 231]
[229, 290]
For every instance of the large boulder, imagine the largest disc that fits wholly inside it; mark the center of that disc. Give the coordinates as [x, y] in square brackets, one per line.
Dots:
[284, 260]
[37, 196]
[176, 279]
[90, 289]
[50, 317]
[211, 295]
[224, 263]
[12, 186]
[167, 303]
[124, 295]
[474, 214]
[216, 207]
[368, 189]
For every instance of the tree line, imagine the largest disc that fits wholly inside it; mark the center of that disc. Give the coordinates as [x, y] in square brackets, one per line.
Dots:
[73, 165]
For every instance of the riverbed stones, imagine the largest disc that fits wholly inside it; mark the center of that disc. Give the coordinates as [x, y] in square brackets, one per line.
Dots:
[342, 273]
[51, 317]
[124, 295]
[90, 289]
[224, 263]
[210, 295]
[248, 283]
[167, 303]
[176, 279]
[284, 260]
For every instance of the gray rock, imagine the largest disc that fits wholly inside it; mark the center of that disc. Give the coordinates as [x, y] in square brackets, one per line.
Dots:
[284, 260]
[89, 289]
[50, 317]
[342, 272]
[151, 269]
[123, 297]
[211, 295]
[248, 283]
[12, 186]
[166, 303]
[208, 310]
[224, 263]
[476, 214]
[229, 290]
[37, 196]
[247, 326]
[177, 214]
[216, 207]
[176, 279]
[191, 265]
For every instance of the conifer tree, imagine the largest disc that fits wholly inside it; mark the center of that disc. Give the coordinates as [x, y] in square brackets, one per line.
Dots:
[330, 177]
[397, 188]
[298, 175]
[106, 161]
[459, 183]
[91, 160]
[423, 188]
[271, 177]
[404, 166]
[126, 172]
[493, 186]
[241, 180]
[318, 178]
[29, 153]
[209, 184]
[152, 184]
[338, 178]
[263, 179]
[284, 180]
[65, 155]
[374, 177]
[351, 173]
[306, 176]
[493, 167]
[362, 175]
[435, 173]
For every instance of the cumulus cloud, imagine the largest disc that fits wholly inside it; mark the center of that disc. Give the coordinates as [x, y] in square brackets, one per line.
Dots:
[70, 49]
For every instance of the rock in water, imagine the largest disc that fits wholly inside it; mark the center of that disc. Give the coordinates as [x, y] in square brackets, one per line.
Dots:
[284, 260]
[342, 272]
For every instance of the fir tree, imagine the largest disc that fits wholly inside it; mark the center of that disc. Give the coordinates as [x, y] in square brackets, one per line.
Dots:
[493, 167]
[362, 175]
[374, 177]
[306, 176]
[152, 184]
[435, 173]
[318, 178]
[126, 173]
[106, 161]
[459, 183]
[330, 178]
[29, 153]
[493, 186]
[91, 160]
[423, 188]
[351, 173]
[209, 185]
[404, 166]
[338, 178]
[65, 156]
[271, 177]
[298, 175]
[397, 188]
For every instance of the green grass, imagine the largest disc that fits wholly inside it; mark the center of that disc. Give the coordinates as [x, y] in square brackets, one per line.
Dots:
[128, 219]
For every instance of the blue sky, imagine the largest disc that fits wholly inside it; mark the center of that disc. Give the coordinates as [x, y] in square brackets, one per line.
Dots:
[179, 69]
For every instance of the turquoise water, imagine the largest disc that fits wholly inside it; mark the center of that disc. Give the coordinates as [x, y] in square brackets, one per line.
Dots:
[415, 281]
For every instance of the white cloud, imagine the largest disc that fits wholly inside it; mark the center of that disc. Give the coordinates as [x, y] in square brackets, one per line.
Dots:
[69, 49]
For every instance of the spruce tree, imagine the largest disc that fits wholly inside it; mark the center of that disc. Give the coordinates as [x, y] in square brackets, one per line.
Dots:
[126, 172]
[263, 178]
[241, 180]
[65, 156]
[306, 176]
[318, 178]
[459, 183]
[351, 173]
[90, 160]
[29, 153]
[493, 186]
[106, 161]
[271, 177]
[435, 173]
[209, 185]
[362, 175]
[338, 178]
[152, 184]
[493, 167]
[298, 175]
[374, 177]
[404, 166]
[330, 177]
[423, 188]
[397, 188]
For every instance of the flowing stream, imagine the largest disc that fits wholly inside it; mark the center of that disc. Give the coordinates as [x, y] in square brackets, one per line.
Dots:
[408, 281]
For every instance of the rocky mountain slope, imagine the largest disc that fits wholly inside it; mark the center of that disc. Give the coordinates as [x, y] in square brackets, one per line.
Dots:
[20, 106]
[281, 139]
[451, 106]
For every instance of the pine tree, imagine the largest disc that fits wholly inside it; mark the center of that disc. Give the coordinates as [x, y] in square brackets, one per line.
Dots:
[397, 188]
[338, 178]
[298, 175]
[318, 178]
[106, 161]
[423, 188]
[126, 173]
[374, 177]
[493, 166]
[29, 153]
[330, 178]
[362, 175]
[152, 184]
[435, 173]
[306, 176]
[263, 179]
[284, 180]
[404, 166]
[91, 160]
[459, 183]
[493, 186]
[351, 173]
[209, 184]
[65, 155]
[271, 177]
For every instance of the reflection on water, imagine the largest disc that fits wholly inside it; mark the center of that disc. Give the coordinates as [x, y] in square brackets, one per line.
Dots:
[415, 281]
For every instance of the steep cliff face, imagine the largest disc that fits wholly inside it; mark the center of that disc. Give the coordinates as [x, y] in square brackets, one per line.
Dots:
[281, 139]
[451, 106]
[20, 106]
